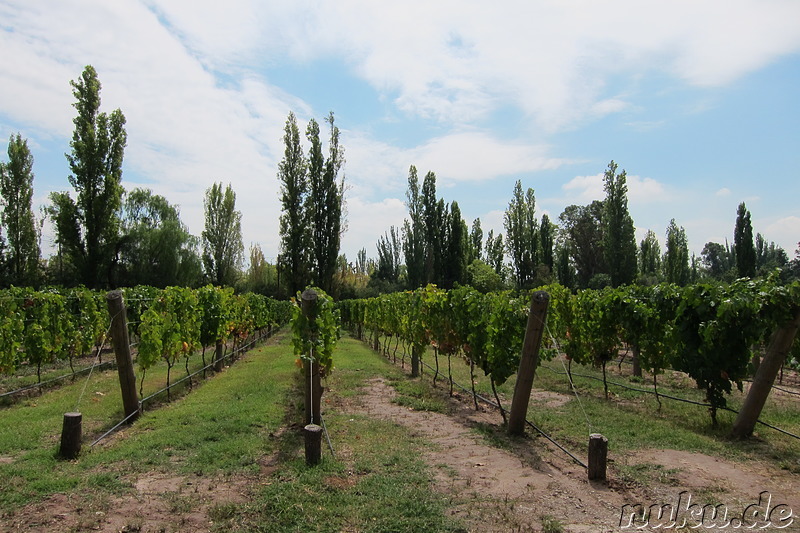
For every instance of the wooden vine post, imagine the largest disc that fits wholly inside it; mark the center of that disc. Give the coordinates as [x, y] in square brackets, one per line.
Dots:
[312, 431]
[313, 387]
[122, 351]
[779, 346]
[70, 436]
[528, 362]
[598, 457]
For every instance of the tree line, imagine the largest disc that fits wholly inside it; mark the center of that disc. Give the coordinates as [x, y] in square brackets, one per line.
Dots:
[590, 246]
[107, 237]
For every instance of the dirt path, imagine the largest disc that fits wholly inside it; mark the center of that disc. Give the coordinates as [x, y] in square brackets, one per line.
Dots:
[498, 489]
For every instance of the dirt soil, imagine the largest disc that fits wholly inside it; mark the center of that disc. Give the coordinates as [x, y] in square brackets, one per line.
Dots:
[522, 485]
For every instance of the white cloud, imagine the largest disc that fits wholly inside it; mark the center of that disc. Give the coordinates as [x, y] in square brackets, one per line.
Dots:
[367, 221]
[785, 231]
[723, 192]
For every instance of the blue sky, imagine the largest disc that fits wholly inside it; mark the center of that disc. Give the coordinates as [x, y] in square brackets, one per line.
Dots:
[696, 100]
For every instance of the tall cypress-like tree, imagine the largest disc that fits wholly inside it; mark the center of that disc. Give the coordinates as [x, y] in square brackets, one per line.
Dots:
[414, 233]
[547, 242]
[650, 256]
[457, 249]
[619, 236]
[87, 228]
[743, 246]
[223, 248]
[522, 235]
[19, 223]
[676, 257]
[326, 195]
[476, 241]
[293, 263]
[495, 252]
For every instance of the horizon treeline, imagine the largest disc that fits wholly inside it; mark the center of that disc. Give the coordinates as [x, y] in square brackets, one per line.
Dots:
[107, 237]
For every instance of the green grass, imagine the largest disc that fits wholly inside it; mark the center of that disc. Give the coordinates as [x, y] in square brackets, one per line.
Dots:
[376, 483]
[225, 427]
[221, 428]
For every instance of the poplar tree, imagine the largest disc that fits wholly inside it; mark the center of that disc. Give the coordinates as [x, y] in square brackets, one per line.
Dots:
[495, 252]
[619, 244]
[19, 223]
[547, 242]
[522, 235]
[476, 240]
[293, 263]
[676, 257]
[456, 249]
[414, 233]
[326, 195]
[743, 247]
[650, 255]
[223, 248]
[87, 228]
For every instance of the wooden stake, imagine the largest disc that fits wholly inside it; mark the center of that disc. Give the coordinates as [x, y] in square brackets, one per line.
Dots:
[528, 362]
[598, 455]
[313, 438]
[313, 386]
[122, 351]
[71, 436]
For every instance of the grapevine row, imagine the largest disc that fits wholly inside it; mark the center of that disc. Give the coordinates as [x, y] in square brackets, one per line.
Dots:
[40, 327]
[708, 331]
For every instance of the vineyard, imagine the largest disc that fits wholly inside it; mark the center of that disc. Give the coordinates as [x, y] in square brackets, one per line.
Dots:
[714, 333]
[46, 330]
[698, 344]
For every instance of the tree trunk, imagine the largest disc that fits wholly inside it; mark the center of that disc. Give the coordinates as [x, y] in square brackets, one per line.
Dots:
[779, 347]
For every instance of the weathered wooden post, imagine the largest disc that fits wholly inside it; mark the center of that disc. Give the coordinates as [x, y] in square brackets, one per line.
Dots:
[598, 455]
[415, 357]
[313, 387]
[313, 438]
[122, 351]
[219, 358]
[71, 436]
[528, 362]
[779, 346]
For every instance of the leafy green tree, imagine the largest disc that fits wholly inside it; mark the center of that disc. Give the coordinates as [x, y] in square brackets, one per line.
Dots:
[495, 253]
[483, 277]
[650, 257]
[156, 248]
[19, 223]
[743, 247]
[522, 235]
[456, 249]
[619, 245]
[769, 256]
[434, 216]
[583, 229]
[414, 233]
[547, 232]
[295, 229]
[564, 270]
[476, 240]
[222, 237]
[717, 260]
[325, 199]
[388, 257]
[676, 257]
[261, 276]
[87, 228]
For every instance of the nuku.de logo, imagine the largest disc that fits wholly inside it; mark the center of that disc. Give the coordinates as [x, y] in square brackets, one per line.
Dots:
[685, 514]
